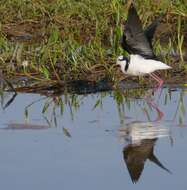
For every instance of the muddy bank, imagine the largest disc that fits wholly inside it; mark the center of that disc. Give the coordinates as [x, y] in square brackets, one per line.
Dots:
[57, 88]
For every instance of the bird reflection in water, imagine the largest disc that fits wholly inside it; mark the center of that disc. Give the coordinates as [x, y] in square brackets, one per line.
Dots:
[141, 138]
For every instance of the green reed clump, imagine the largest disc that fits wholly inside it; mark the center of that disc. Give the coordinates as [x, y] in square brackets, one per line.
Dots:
[73, 40]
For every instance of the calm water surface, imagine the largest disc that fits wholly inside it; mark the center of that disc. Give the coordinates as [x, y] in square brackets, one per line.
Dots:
[93, 142]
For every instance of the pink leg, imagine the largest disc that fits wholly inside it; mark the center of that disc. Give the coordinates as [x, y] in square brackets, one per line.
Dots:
[160, 83]
[158, 79]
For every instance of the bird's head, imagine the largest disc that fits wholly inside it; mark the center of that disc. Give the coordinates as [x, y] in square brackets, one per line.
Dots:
[122, 61]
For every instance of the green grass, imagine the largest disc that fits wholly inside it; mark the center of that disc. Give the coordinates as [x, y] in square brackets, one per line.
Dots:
[65, 40]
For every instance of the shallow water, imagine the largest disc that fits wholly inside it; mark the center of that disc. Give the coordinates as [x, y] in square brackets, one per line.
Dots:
[98, 141]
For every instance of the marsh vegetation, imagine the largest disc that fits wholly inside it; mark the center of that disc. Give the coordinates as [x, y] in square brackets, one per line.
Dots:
[52, 43]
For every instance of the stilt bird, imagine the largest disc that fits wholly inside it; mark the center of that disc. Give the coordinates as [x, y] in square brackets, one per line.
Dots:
[138, 43]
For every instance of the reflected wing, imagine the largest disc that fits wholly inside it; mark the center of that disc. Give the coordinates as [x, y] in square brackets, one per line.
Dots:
[135, 157]
[154, 159]
[134, 40]
[134, 160]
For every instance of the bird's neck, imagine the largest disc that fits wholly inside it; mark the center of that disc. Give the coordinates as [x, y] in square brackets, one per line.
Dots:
[123, 67]
[127, 65]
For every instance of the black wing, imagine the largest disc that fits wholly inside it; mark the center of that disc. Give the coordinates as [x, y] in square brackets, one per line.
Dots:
[150, 30]
[134, 40]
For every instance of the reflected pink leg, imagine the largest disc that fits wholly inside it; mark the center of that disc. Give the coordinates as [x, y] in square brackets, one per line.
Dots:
[150, 102]
[153, 105]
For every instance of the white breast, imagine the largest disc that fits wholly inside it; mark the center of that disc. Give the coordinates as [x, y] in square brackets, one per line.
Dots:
[140, 66]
